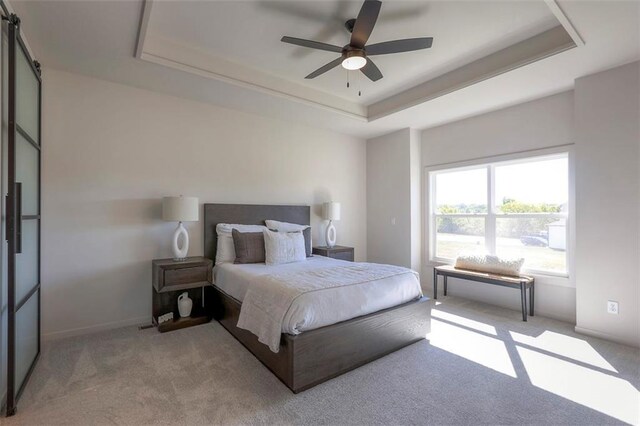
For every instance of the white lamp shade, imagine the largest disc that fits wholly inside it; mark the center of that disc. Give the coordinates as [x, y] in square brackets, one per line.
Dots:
[331, 211]
[180, 209]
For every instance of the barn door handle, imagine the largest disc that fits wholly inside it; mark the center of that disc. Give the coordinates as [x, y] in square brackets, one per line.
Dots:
[18, 217]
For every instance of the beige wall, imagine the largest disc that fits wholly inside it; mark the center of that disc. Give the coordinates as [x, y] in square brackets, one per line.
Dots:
[607, 113]
[543, 123]
[394, 208]
[389, 199]
[110, 152]
[415, 173]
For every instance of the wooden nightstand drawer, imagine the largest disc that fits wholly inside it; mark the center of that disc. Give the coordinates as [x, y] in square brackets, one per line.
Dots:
[336, 252]
[185, 275]
[173, 276]
[343, 255]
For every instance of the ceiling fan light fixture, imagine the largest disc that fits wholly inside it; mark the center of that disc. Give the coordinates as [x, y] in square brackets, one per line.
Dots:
[354, 60]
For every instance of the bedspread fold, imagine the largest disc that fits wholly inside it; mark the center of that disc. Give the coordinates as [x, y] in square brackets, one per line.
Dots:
[267, 302]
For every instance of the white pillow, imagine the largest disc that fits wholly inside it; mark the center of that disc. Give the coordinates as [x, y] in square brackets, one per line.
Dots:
[285, 226]
[276, 225]
[490, 264]
[283, 247]
[226, 250]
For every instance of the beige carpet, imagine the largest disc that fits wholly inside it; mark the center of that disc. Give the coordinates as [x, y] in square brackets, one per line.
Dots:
[482, 365]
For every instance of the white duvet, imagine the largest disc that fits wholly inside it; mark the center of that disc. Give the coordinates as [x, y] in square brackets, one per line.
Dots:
[319, 291]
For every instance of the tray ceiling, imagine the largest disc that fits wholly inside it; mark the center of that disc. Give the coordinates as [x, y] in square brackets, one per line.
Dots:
[248, 33]
[239, 42]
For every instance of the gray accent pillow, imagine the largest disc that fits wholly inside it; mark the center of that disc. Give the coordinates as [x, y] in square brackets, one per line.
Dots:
[249, 246]
[307, 241]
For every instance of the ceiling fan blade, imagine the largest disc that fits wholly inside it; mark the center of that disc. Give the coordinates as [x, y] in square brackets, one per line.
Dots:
[325, 68]
[312, 44]
[397, 46]
[371, 71]
[365, 22]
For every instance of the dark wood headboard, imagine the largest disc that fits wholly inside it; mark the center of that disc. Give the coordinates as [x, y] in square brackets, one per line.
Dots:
[247, 214]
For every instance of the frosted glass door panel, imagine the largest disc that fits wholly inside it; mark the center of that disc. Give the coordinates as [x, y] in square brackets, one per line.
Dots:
[21, 184]
[27, 261]
[27, 170]
[27, 100]
[26, 338]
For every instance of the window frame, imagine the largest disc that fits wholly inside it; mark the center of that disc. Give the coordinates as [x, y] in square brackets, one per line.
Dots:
[491, 216]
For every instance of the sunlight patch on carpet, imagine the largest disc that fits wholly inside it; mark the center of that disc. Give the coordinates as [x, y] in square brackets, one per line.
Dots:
[605, 393]
[484, 350]
[569, 347]
[476, 325]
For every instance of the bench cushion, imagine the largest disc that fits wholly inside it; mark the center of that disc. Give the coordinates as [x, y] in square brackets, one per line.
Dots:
[507, 279]
[490, 264]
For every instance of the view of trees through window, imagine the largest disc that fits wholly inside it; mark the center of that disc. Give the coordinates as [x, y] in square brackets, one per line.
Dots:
[528, 218]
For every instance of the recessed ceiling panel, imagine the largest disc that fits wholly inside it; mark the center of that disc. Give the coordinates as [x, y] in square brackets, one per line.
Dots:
[248, 33]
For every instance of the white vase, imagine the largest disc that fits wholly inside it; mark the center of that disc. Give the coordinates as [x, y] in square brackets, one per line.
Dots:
[184, 305]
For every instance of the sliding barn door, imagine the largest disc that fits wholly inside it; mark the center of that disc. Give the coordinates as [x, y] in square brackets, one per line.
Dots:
[23, 88]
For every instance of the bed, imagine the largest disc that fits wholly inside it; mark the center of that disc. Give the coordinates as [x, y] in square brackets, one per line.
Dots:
[312, 350]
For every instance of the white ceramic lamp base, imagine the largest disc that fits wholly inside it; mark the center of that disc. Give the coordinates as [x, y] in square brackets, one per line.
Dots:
[180, 253]
[330, 235]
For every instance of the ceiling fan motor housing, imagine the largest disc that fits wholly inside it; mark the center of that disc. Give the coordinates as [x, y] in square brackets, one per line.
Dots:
[350, 24]
[349, 51]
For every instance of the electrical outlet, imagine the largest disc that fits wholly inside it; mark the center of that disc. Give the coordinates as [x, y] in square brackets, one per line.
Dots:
[612, 307]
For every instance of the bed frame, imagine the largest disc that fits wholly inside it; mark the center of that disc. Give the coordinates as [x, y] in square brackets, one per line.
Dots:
[315, 356]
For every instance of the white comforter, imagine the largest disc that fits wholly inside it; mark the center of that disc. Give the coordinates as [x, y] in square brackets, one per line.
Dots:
[314, 293]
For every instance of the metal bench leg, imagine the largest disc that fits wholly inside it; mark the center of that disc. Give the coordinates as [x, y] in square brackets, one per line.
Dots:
[531, 298]
[523, 296]
[435, 284]
[445, 285]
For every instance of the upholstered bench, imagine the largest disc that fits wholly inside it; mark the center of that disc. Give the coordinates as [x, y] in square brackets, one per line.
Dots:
[521, 282]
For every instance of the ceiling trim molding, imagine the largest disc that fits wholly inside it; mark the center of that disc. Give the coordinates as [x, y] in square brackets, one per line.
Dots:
[565, 22]
[202, 72]
[533, 49]
[142, 28]
[168, 53]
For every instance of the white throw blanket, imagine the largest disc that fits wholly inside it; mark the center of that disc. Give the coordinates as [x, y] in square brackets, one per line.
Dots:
[268, 300]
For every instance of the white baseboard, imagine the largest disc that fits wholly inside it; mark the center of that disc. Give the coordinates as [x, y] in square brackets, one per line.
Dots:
[95, 328]
[605, 336]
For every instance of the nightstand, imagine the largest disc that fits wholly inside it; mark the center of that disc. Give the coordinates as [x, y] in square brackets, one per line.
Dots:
[335, 252]
[170, 279]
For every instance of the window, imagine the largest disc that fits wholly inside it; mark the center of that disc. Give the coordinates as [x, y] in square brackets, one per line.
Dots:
[515, 208]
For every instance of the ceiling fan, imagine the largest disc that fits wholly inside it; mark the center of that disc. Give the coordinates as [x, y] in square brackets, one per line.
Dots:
[355, 55]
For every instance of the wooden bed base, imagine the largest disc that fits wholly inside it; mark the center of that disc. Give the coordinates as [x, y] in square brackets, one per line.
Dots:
[310, 358]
